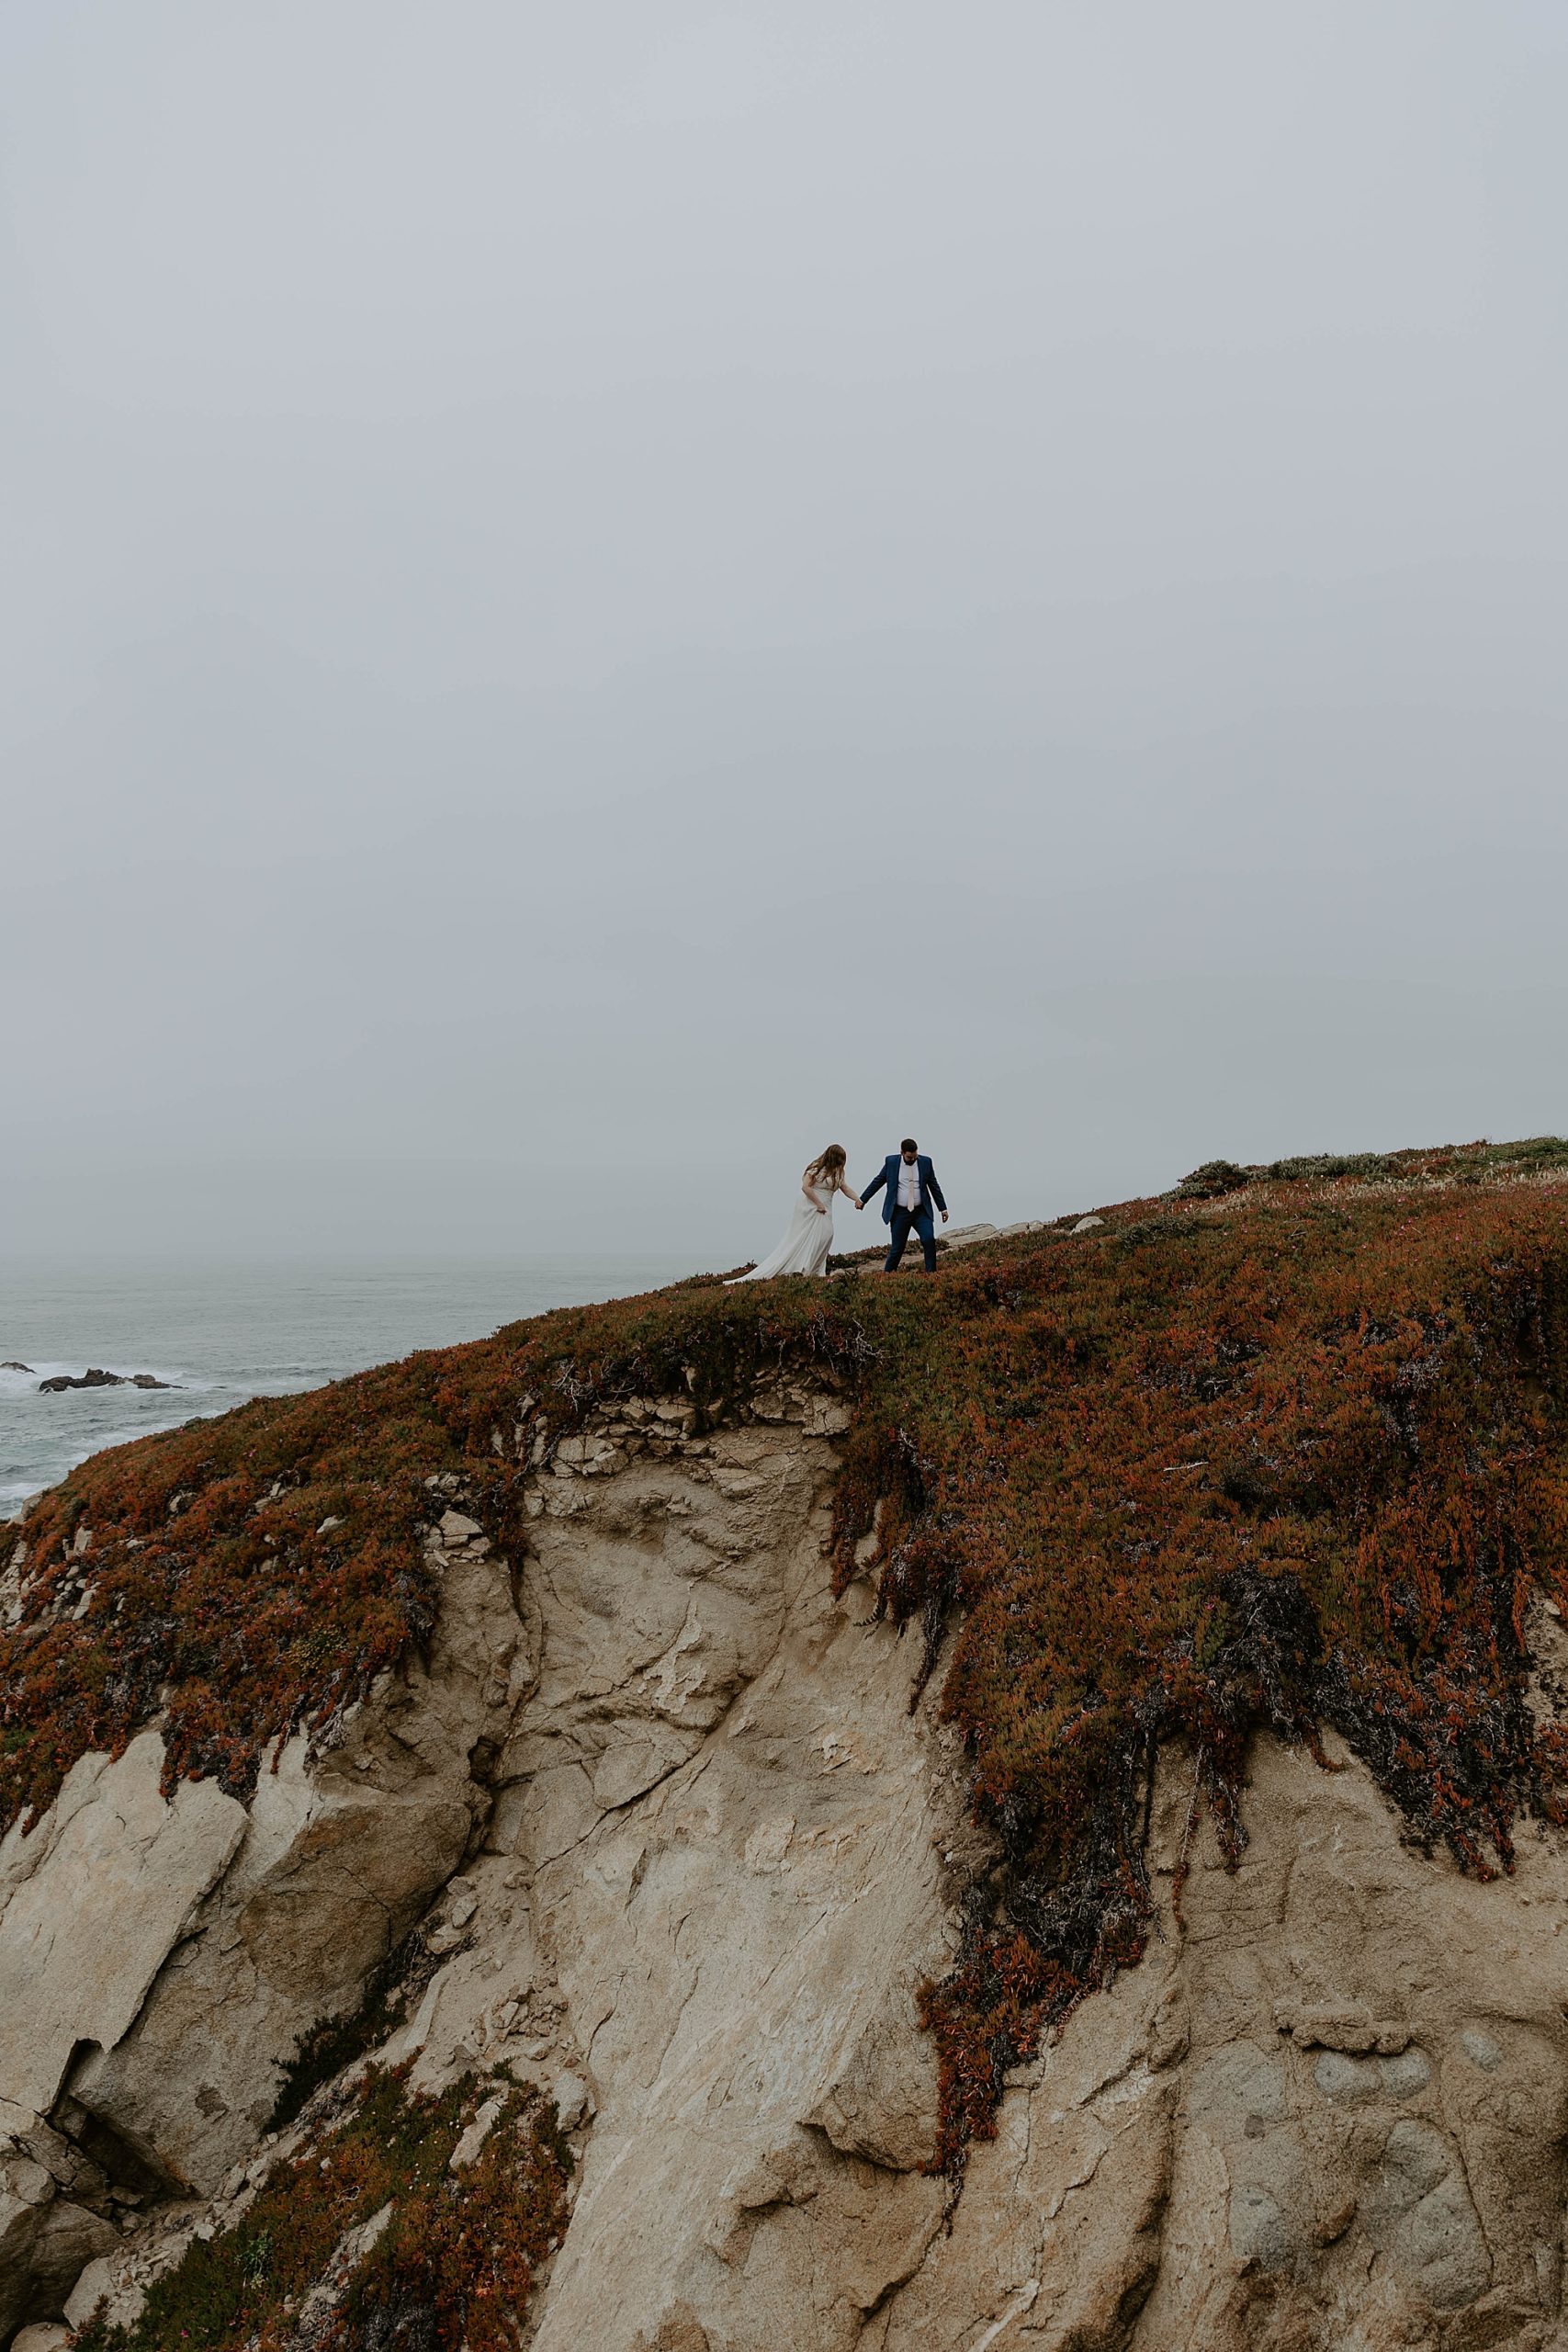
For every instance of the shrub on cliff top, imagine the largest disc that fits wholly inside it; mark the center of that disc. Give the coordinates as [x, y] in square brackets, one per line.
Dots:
[1289, 1454]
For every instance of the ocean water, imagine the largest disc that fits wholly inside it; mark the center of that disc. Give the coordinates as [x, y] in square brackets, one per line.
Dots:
[225, 1331]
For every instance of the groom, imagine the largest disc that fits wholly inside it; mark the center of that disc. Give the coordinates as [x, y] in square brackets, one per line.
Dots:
[911, 1187]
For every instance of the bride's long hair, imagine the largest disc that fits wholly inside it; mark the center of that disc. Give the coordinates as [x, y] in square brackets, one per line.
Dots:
[829, 1164]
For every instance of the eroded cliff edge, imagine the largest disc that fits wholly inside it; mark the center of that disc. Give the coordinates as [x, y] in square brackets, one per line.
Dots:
[691, 1855]
[690, 1840]
[632, 1866]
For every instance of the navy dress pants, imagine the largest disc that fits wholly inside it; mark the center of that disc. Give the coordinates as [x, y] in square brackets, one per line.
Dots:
[905, 1221]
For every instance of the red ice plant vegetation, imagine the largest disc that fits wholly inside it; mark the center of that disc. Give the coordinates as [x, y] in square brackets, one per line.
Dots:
[1284, 1448]
[1294, 1460]
[454, 2254]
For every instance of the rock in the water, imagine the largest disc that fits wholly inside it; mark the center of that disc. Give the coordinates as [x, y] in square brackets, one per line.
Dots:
[96, 1378]
[17, 1367]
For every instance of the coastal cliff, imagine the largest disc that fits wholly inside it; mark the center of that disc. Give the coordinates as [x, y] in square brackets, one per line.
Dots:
[1021, 1810]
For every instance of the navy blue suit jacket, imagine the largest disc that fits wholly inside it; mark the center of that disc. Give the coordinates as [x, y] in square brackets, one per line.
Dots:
[930, 1189]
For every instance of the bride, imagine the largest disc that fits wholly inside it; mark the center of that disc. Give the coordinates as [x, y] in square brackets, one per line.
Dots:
[804, 1249]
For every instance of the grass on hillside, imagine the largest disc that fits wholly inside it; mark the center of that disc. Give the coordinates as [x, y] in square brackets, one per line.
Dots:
[1285, 1447]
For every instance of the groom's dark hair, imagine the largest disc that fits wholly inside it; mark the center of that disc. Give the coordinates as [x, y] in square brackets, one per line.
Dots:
[908, 1144]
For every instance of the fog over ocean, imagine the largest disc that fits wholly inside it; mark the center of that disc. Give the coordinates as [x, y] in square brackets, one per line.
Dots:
[224, 1331]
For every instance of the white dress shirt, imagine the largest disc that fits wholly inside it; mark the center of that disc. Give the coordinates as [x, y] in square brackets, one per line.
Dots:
[908, 1183]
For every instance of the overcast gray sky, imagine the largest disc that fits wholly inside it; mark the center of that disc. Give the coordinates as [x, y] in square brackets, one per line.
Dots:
[594, 595]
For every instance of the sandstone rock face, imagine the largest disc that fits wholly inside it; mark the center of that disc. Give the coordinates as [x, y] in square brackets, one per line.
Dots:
[340, 1855]
[1327, 2109]
[94, 1899]
[46, 2236]
[682, 1856]
[734, 1888]
[158, 1960]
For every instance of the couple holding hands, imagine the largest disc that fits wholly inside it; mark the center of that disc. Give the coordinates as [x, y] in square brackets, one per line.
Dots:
[908, 1183]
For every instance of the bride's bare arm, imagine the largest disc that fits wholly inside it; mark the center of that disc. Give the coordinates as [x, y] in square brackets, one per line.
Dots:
[820, 1204]
[850, 1193]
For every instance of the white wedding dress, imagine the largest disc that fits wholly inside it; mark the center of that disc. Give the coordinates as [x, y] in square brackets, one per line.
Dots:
[804, 1249]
